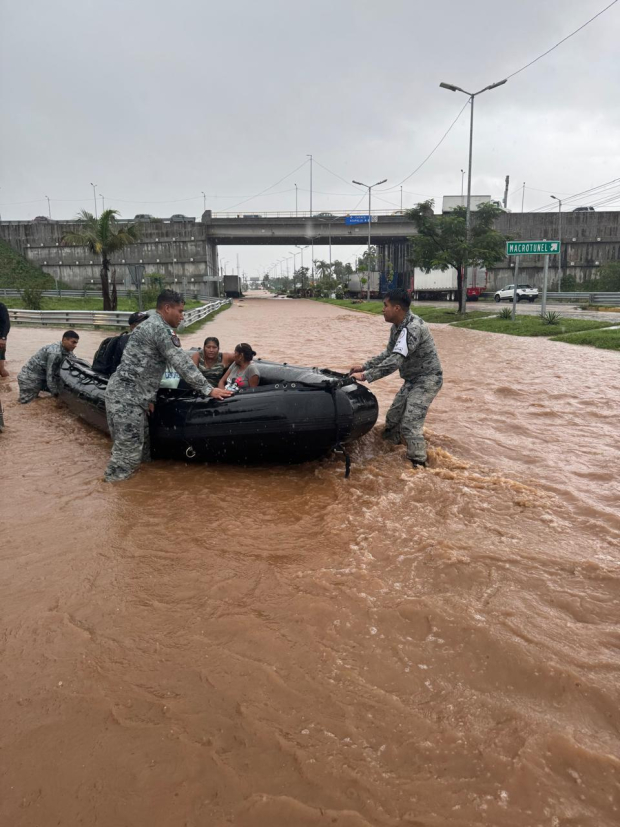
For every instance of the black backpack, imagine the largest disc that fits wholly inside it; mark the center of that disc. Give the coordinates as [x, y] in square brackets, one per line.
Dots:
[105, 361]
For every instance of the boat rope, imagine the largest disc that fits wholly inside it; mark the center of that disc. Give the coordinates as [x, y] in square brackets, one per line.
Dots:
[338, 448]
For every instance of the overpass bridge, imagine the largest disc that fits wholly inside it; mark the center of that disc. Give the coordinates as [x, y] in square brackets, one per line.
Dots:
[291, 228]
[187, 251]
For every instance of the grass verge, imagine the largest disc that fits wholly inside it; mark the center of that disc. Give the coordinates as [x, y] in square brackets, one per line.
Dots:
[433, 315]
[16, 272]
[531, 326]
[197, 325]
[608, 339]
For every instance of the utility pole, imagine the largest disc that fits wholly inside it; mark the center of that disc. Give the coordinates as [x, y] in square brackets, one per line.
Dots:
[102, 203]
[204, 202]
[401, 198]
[523, 197]
[295, 200]
[559, 200]
[49, 208]
[359, 183]
[472, 96]
[506, 191]
[94, 186]
[462, 178]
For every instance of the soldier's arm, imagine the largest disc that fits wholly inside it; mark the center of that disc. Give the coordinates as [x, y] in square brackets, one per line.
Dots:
[403, 347]
[52, 372]
[376, 360]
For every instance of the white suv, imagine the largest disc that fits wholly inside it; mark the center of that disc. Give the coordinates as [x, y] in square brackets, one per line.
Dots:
[524, 291]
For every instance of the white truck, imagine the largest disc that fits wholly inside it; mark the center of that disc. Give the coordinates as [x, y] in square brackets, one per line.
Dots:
[452, 201]
[441, 285]
[357, 289]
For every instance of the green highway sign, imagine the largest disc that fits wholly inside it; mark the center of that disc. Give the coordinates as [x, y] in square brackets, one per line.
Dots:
[532, 248]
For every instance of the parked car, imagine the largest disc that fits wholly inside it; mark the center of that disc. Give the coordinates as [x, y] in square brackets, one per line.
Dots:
[40, 219]
[584, 209]
[142, 216]
[524, 291]
[178, 217]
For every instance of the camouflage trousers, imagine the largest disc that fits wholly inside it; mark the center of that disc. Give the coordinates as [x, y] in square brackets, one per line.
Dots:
[405, 418]
[129, 430]
[29, 386]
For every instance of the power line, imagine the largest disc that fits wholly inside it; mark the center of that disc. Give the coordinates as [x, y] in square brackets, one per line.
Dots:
[335, 174]
[564, 39]
[431, 153]
[251, 198]
[600, 187]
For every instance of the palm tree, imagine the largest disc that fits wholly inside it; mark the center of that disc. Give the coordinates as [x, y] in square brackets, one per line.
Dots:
[103, 237]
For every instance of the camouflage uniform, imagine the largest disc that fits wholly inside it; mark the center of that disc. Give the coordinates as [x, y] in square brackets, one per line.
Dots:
[133, 387]
[41, 372]
[411, 349]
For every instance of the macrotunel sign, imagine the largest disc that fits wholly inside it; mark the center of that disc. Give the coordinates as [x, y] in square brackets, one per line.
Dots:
[532, 248]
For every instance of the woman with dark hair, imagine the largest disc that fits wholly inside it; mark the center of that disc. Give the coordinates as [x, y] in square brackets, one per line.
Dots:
[243, 373]
[211, 362]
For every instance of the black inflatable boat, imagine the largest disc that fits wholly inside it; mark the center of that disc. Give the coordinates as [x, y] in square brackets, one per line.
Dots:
[295, 414]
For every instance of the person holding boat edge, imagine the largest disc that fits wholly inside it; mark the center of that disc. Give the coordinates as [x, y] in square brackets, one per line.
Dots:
[132, 389]
[412, 351]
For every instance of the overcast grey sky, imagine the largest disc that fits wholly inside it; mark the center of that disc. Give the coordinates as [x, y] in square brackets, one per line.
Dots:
[157, 101]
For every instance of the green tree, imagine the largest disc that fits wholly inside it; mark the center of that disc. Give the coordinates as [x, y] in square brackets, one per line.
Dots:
[362, 262]
[441, 241]
[300, 276]
[608, 277]
[103, 237]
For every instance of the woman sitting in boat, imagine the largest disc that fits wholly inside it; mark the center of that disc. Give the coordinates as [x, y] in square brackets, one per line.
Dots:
[243, 373]
[211, 362]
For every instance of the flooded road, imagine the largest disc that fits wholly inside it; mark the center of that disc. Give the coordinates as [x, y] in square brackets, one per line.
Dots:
[204, 646]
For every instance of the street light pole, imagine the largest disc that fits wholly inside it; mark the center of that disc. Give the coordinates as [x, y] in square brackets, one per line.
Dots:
[204, 202]
[359, 183]
[49, 208]
[559, 200]
[295, 200]
[471, 96]
[102, 203]
[94, 186]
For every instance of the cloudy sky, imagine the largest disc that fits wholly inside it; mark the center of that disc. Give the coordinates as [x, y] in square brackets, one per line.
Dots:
[157, 102]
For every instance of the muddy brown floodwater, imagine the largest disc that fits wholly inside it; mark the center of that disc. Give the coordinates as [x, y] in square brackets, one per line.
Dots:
[281, 647]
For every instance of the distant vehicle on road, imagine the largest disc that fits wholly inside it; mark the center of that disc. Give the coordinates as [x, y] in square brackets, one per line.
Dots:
[41, 219]
[251, 216]
[524, 291]
[324, 215]
[442, 285]
[584, 209]
[179, 217]
[142, 216]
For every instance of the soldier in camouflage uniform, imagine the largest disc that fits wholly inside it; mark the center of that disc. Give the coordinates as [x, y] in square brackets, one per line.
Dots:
[132, 389]
[412, 350]
[42, 371]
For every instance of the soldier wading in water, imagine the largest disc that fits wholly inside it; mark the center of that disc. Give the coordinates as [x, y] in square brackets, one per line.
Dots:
[132, 390]
[412, 350]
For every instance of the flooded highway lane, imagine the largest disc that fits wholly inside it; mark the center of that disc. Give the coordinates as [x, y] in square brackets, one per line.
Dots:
[212, 645]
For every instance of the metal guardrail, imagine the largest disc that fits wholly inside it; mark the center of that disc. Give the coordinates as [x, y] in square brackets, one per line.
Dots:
[605, 299]
[99, 318]
[198, 313]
